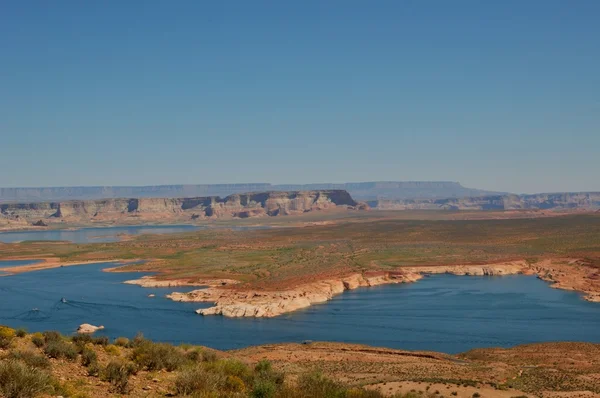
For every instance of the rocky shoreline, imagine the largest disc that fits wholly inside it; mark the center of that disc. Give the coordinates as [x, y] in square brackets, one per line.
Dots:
[563, 274]
[237, 301]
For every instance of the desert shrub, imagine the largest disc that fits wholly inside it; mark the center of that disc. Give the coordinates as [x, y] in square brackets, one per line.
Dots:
[209, 356]
[316, 385]
[194, 355]
[112, 350]
[94, 369]
[197, 380]
[6, 336]
[138, 340]
[230, 367]
[263, 370]
[60, 349]
[5, 342]
[21, 333]
[7, 332]
[81, 339]
[157, 356]
[264, 389]
[31, 359]
[100, 340]
[117, 373]
[122, 341]
[51, 336]
[263, 366]
[38, 340]
[18, 380]
[88, 356]
[476, 395]
[234, 384]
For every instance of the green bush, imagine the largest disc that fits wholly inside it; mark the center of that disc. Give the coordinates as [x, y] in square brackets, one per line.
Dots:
[101, 340]
[264, 371]
[31, 359]
[18, 380]
[60, 349]
[157, 356]
[21, 333]
[38, 340]
[51, 336]
[94, 369]
[117, 373]
[88, 356]
[81, 339]
[264, 389]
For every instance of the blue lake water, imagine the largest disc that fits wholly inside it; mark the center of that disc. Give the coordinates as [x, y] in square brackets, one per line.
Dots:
[95, 234]
[17, 263]
[441, 313]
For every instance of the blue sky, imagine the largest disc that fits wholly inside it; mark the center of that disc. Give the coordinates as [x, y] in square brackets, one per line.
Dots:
[501, 95]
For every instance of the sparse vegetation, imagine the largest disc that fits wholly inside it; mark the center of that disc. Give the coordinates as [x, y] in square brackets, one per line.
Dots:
[18, 380]
[88, 357]
[243, 374]
[117, 373]
[157, 356]
[30, 358]
[60, 349]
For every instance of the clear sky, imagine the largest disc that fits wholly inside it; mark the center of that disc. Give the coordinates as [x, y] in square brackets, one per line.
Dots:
[501, 95]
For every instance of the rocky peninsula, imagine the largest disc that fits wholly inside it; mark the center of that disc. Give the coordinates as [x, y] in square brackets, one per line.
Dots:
[239, 302]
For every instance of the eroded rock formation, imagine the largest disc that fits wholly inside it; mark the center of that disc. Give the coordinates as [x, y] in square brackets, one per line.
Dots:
[237, 205]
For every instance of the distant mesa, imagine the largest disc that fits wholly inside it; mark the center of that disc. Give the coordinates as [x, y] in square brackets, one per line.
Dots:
[358, 190]
[257, 204]
[542, 201]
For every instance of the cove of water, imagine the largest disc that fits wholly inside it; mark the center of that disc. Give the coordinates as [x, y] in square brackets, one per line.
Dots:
[440, 313]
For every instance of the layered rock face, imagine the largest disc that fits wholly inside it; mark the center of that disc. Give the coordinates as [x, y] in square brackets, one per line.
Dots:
[579, 200]
[237, 205]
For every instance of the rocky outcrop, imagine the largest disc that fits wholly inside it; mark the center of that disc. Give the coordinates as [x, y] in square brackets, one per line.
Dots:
[568, 274]
[256, 303]
[88, 329]
[559, 201]
[180, 209]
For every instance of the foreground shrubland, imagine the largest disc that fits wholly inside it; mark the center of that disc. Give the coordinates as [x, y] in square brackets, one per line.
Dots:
[40, 364]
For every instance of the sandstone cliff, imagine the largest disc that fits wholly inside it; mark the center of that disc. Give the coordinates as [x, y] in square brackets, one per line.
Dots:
[173, 209]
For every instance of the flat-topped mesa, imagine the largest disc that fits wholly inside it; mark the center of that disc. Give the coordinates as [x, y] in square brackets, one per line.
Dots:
[181, 209]
[267, 304]
[541, 201]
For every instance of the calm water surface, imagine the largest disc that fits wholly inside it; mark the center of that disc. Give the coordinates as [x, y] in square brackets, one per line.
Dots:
[442, 313]
[90, 235]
